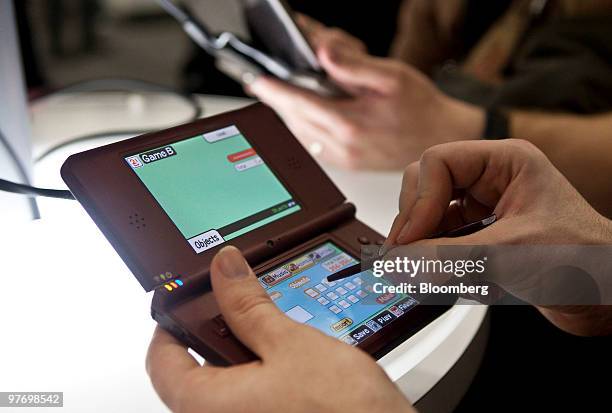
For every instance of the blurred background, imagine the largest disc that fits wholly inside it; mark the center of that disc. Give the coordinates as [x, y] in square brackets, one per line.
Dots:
[67, 41]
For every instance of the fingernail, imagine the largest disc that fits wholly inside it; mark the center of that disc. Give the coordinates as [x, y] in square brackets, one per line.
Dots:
[404, 232]
[384, 249]
[249, 78]
[250, 88]
[232, 264]
[255, 85]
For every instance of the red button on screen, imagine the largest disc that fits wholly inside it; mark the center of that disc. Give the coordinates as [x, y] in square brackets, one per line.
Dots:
[238, 156]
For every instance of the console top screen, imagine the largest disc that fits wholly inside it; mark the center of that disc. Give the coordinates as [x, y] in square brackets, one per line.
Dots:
[214, 187]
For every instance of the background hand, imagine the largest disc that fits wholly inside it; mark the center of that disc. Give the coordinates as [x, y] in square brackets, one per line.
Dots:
[393, 115]
[301, 369]
[322, 37]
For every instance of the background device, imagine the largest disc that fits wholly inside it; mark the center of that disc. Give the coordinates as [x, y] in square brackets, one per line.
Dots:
[167, 201]
[286, 53]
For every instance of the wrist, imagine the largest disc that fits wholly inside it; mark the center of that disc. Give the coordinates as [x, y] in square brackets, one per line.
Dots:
[465, 121]
[591, 228]
[605, 230]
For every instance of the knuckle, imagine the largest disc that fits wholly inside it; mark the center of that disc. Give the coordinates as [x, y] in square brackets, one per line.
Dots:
[348, 130]
[396, 75]
[336, 34]
[410, 177]
[411, 169]
[525, 149]
[521, 144]
[353, 157]
[249, 306]
[432, 153]
[350, 158]
[331, 38]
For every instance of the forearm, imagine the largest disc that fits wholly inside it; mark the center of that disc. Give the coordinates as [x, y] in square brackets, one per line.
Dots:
[579, 146]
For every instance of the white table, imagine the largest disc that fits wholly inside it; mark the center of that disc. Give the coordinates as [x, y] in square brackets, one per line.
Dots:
[75, 320]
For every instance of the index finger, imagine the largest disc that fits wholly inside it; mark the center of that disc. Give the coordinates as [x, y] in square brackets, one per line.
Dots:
[483, 169]
[320, 36]
[310, 27]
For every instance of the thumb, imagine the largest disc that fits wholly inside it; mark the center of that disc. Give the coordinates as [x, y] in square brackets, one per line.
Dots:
[359, 70]
[247, 309]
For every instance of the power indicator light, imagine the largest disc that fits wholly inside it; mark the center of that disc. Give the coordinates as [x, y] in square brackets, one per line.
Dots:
[173, 285]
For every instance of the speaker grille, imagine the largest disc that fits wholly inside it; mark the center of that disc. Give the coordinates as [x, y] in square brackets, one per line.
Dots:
[294, 163]
[137, 221]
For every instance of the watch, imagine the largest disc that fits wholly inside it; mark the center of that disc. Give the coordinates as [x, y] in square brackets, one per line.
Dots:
[497, 124]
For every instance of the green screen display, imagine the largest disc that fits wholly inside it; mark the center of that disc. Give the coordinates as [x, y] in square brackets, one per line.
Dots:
[214, 187]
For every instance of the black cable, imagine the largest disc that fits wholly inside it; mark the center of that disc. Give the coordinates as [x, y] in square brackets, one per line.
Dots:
[27, 188]
[84, 87]
[97, 85]
[15, 188]
[22, 170]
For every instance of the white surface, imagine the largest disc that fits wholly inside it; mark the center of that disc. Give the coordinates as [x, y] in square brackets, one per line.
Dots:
[76, 321]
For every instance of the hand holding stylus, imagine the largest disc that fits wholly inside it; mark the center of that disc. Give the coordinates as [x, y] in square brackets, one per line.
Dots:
[455, 184]
[460, 183]
[300, 368]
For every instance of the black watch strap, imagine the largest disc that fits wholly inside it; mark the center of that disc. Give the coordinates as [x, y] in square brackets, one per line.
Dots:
[497, 125]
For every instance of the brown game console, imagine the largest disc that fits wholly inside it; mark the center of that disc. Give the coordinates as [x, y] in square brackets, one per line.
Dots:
[158, 254]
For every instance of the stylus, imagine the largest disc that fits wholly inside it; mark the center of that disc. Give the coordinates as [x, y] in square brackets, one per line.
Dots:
[453, 233]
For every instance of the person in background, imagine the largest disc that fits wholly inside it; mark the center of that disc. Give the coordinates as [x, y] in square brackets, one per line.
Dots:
[540, 70]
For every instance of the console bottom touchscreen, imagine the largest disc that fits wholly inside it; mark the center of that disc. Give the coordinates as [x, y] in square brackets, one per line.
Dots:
[348, 309]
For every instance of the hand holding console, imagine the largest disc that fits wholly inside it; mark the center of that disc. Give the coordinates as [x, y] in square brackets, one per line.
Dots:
[347, 381]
